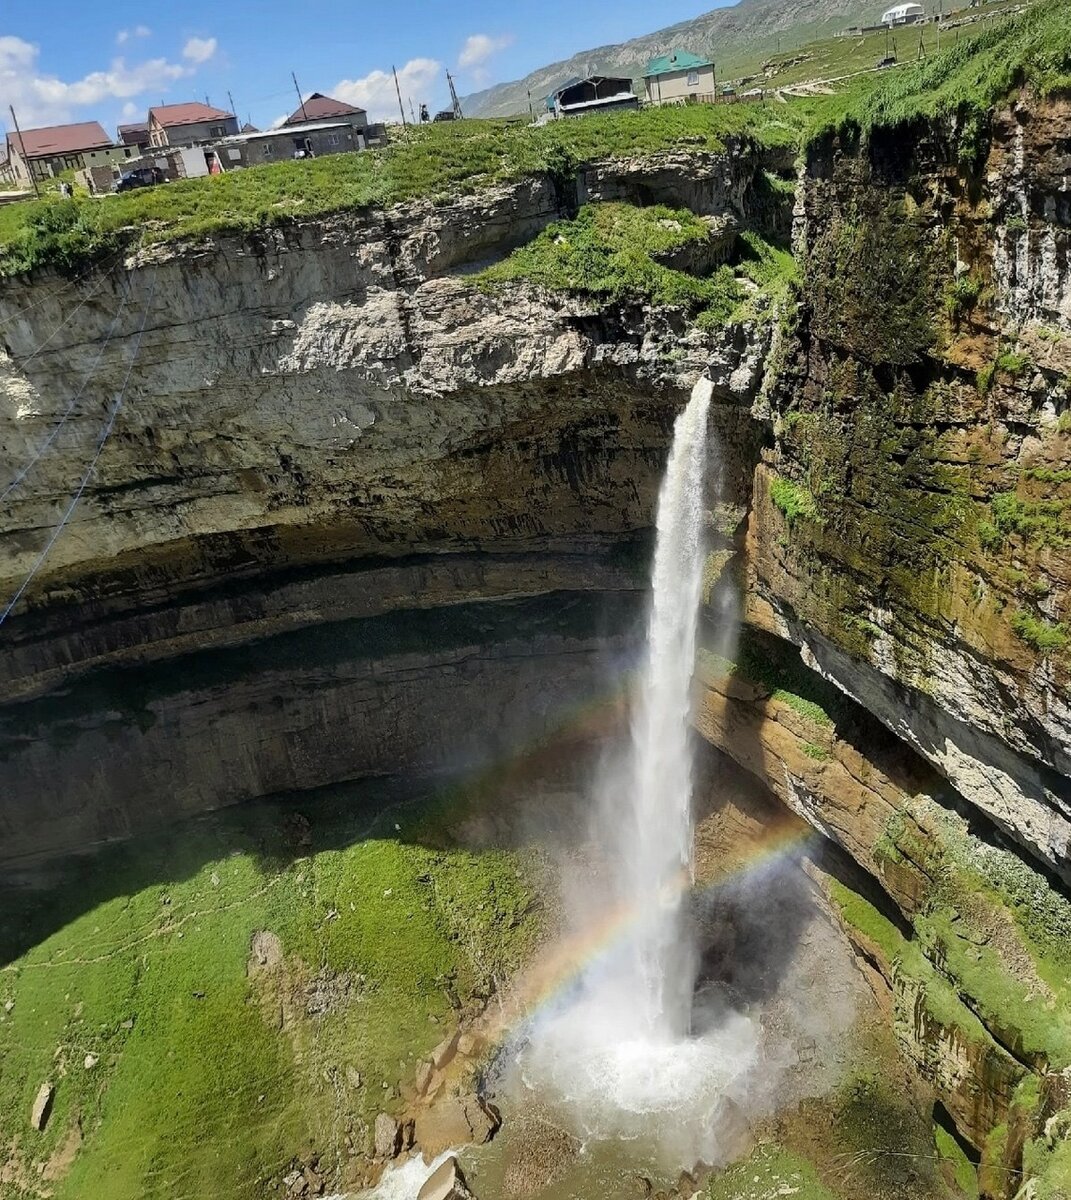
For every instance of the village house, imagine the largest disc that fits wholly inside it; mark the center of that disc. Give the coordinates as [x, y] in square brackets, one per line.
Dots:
[319, 107]
[679, 78]
[136, 134]
[43, 153]
[595, 93]
[190, 124]
[313, 139]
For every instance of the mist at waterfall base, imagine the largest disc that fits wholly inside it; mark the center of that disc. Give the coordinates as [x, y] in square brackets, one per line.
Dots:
[633, 1050]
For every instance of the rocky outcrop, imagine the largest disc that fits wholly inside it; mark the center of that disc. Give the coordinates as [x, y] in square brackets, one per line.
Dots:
[352, 508]
[908, 528]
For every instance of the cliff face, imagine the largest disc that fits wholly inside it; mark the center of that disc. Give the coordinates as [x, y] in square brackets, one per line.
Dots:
[906, 580]
[320, 427]
[909, 526]
[359, 515]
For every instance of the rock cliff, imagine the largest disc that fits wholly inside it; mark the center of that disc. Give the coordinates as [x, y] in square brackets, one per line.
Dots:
[906, 543]
[360, 514]
[320, 428]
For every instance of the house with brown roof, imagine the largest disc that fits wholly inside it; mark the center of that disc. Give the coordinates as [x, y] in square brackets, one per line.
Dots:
[190, 124]
[319, 107]
[135, 134]
[45, 152]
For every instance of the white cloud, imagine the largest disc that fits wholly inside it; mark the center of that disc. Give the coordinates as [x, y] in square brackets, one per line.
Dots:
[199, 50]
[375, 91]
[480, 47]
[132, 111]
[139, 31]
[41, 99]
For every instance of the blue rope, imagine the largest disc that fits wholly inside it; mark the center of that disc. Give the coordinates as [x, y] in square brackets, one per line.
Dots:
[70, 409]
[109, 425]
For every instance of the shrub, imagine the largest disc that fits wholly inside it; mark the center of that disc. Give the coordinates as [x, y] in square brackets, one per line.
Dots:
[1044, 636]
[1011, 363]
[793, 501]
[961, 295]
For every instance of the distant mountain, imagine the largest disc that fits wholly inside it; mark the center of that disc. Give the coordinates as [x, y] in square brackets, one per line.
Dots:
[737, 38]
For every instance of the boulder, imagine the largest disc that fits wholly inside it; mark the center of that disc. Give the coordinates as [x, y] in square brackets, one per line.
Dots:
[388, 1136]
[444, 1051]
[424, 1072]
[455, 1120]
[42, 1106]
[446, 1182]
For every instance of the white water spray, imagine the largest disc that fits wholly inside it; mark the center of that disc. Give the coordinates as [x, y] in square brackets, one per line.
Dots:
[621, 1051]
[652, 820]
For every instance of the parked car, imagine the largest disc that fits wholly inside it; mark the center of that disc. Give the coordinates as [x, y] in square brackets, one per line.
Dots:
[139, 177]
[447, 114]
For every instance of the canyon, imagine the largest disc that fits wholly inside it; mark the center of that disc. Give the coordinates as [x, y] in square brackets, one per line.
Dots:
[362, 516]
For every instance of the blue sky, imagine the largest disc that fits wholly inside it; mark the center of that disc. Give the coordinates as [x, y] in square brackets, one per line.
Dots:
[69, 60]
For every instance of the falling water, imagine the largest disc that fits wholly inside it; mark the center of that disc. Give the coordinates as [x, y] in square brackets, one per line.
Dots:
[622, 1050]
[652, 819]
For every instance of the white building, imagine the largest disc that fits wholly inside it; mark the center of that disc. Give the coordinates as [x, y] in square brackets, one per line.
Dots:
[903, 14]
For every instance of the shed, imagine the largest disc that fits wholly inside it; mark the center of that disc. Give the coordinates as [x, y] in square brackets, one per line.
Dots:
[593, 93]
[903, 14]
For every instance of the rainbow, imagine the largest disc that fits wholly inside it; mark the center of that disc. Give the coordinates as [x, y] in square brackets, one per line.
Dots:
[550, 978]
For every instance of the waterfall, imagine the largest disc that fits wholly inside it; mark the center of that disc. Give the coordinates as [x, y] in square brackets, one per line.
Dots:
[619, 1046]
[651, 820]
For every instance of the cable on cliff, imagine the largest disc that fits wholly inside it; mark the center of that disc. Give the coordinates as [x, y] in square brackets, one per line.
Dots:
[69, 409]
[109, 425]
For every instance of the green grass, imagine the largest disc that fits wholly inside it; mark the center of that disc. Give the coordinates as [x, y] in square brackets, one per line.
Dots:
[613, 251]
[1045, 636]
[1044, 522]
[996, 926]
[618, 251]
[769, 1171]
[436, 162]
[907, 960]
[965, 80]
[816, 752]
[793, 500]
[959, 1166]
[205, 1094]
[777, 667]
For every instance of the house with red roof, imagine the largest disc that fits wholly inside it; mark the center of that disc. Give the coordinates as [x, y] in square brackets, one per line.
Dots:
[190, 124]
[45, 152]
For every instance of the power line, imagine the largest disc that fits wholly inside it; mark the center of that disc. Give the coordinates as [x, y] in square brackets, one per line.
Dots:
[108, 426]
[81, 304]
[66, 284]
[67, 412]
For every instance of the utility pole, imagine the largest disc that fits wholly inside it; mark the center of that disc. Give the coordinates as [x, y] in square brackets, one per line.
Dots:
[412, 112]
[458, 114]
[230, 100]
[22, 148]
[531, 110]
[397, 88]
[304, 114]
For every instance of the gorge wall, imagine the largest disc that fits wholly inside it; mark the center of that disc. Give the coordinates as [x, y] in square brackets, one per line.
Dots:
[322, 428]
[360, 514]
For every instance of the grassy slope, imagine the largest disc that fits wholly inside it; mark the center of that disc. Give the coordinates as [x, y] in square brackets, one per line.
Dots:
[204, 1095]
[443, 160]
[434, 162]
[1032, 49]
[770, 1172]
